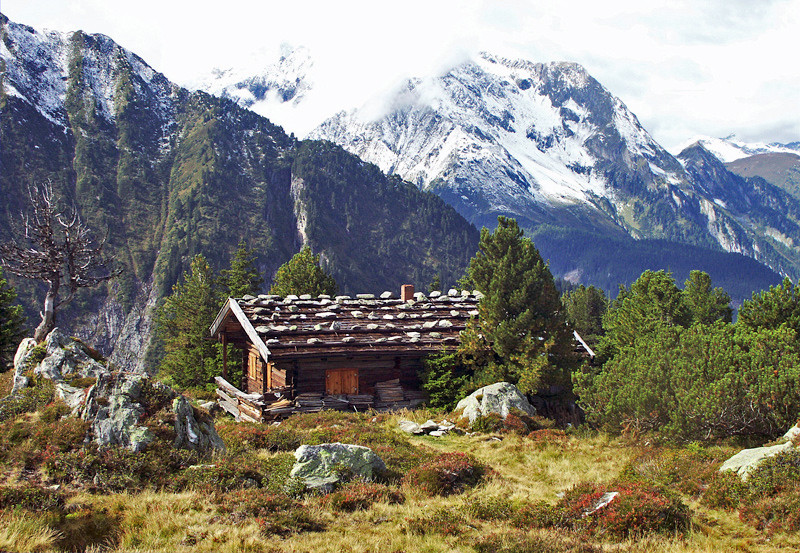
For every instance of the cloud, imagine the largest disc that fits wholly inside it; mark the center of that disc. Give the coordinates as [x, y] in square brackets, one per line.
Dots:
[684, 67]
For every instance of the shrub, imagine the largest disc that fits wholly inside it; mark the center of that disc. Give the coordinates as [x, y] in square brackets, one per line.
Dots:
[771, 514]
[359, 495]
[690, 470]
[31, 498]
[775, 474]
[638, 509]
[489, 507]
[725, 491]
[548, 436]
[492, 422]
[446, 474]
[539, 515]
[243, 437]
[276, 514]
[55, 411]
[442, 521]
[39, 393]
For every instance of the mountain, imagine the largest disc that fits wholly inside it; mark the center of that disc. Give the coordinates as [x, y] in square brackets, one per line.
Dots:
[260, 88]
[548, 144]
[171, 173]
[730, 149]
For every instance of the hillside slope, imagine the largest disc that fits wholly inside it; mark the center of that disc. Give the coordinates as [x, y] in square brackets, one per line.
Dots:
[171, 173]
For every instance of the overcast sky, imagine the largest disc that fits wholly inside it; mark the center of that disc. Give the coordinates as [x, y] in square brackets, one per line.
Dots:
[685, 68]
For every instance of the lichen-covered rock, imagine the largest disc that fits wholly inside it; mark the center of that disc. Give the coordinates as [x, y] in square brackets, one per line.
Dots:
[322, 466]
[410, 427]
[114, 407]
[22, 359]
[191, 433]
[500, 398]
[744, 462]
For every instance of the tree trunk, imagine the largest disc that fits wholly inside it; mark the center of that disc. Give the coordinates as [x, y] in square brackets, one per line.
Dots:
[49, 314]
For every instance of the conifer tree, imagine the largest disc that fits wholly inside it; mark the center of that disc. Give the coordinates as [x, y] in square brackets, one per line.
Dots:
[521, 335]
[11, 323]
[704, 303]
[584, 308]
[302, 274]
[243, 277]
[182, 323]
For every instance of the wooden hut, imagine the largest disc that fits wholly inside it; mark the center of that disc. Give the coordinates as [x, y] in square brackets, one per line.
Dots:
[308, 349]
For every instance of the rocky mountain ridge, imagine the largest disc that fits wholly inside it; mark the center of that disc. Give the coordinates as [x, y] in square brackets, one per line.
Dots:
[170, 173]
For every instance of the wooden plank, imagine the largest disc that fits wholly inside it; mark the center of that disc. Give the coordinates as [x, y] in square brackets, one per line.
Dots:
[250, 410]
[229, 407]
[249, 330]
[246, 418]
[226, 397]
[227, 386]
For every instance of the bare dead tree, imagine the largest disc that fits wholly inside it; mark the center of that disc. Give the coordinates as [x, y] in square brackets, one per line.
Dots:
[55, 246]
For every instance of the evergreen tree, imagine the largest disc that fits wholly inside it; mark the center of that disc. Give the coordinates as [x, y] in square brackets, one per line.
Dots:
[11, 323]
[182, 324]
[521, 335]
[584, 308]
[652, 300]
[243, 277]
[303, 275]
[772, 308]
[704, 303]
[436, 283]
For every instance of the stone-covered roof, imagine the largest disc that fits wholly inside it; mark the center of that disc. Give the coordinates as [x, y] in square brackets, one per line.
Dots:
[365, 324]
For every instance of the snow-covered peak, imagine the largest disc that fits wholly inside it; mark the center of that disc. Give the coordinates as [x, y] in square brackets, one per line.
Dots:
[35, 66]
[260, 88]
[42, 65]
[730, 148]
[512, 134]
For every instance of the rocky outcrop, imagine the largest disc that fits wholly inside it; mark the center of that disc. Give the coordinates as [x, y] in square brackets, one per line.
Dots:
[500, 398]
[124, 409]
[747, 460]
[429, 427]
[320, 467]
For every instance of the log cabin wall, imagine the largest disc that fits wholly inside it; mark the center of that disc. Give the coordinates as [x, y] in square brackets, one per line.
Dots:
[255, 373]
[310, 373]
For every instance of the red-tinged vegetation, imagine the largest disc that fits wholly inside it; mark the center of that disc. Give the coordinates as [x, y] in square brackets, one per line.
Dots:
[446, 474]
[358, 495]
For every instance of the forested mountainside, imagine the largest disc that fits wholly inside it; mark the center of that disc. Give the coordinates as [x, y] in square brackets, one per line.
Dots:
[547, 144]
[170, 173]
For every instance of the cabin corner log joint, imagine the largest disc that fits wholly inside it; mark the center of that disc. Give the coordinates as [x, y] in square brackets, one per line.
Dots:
[304, 353]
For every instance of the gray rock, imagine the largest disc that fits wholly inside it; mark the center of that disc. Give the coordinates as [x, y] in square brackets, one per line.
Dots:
[499, 398]
[744, 462]
[21, 362]
[437, 433]
[387, 295]
[428, 426]
[410, 427]
[191, 433]
[792, 433]
[322, 466]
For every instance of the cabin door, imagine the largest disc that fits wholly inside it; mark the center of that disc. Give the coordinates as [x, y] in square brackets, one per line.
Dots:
[341, 381]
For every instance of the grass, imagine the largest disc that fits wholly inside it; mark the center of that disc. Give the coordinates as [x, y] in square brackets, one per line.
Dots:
[393, 517]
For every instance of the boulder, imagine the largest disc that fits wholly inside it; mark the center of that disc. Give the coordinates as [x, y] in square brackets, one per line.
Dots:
[191, 433]
[117, 403]
[21, 361]
[322, 466]
[500, 398]
[744, 462]
[429, 426]
[793, 433]
[410, 427]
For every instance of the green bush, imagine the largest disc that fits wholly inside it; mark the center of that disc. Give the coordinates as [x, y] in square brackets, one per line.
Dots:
[725, 491]
[701, 382]
[445, 379]
[31, 498]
